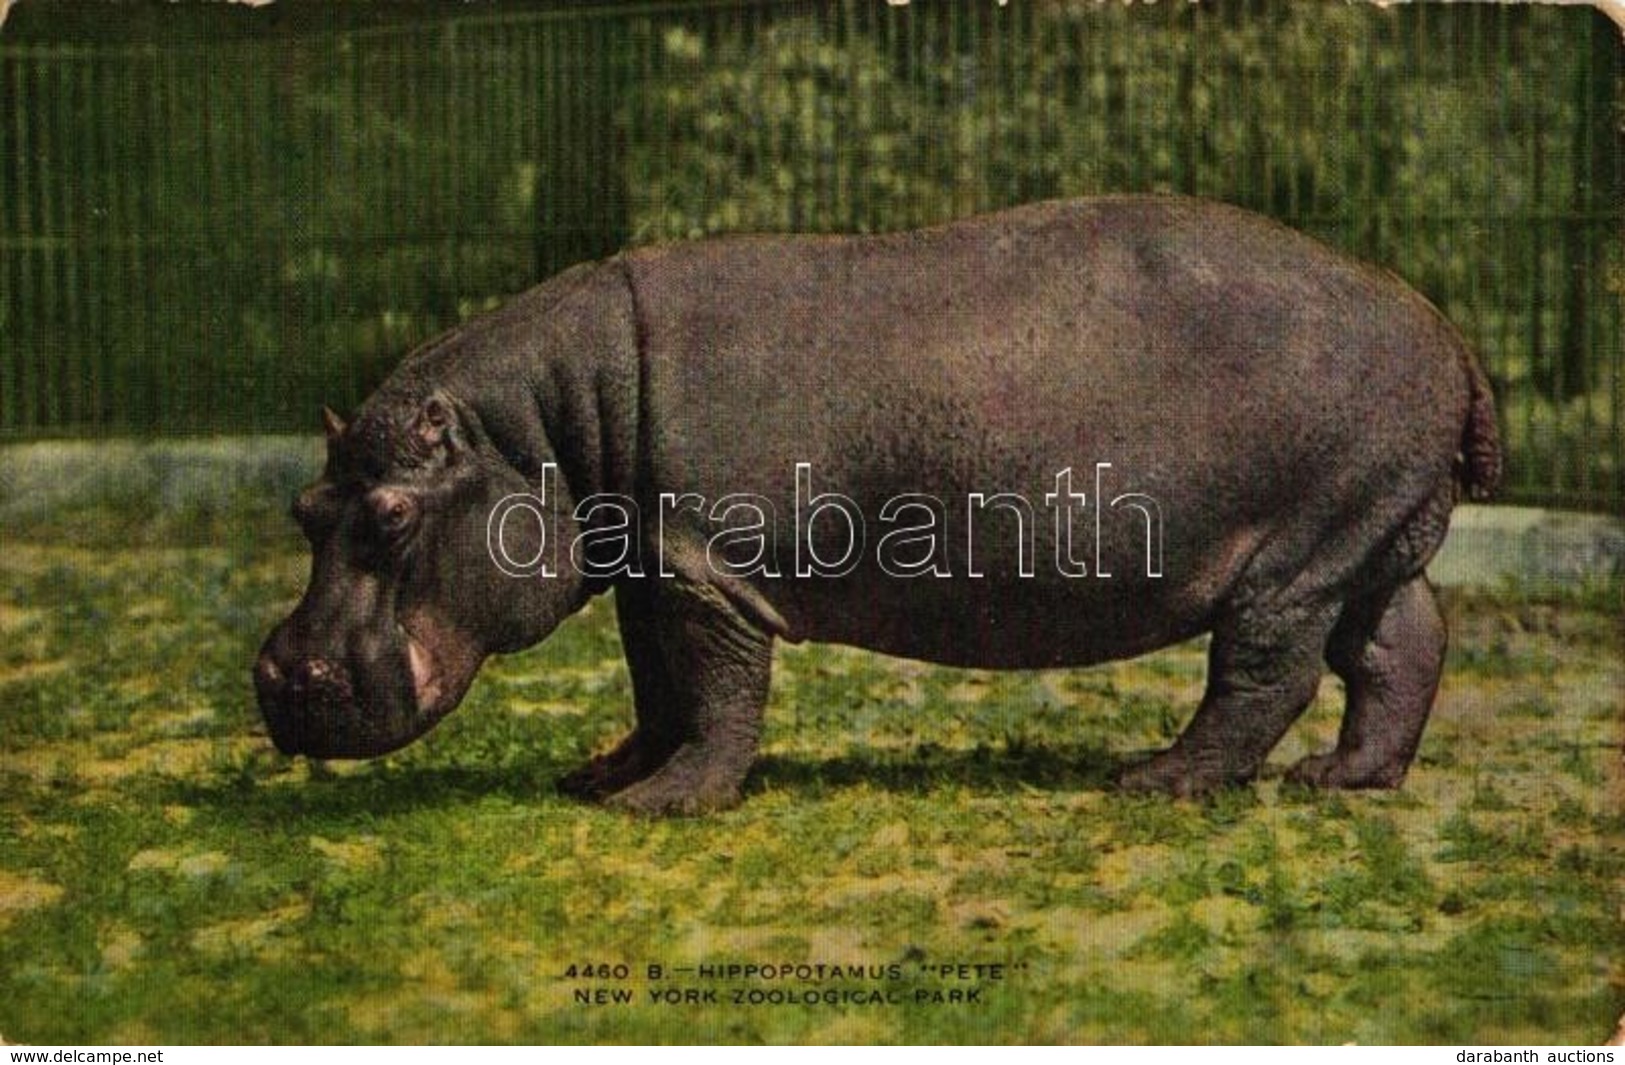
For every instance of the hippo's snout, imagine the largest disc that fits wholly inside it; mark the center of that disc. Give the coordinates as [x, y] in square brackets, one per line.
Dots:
[375, 695]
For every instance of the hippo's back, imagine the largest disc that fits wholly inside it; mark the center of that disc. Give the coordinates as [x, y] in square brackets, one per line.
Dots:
[1261, 387]
[1159, 330]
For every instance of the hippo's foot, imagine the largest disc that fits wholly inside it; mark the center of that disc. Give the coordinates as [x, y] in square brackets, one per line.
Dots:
[699, 682]
[693, 781]
[1389, 650]
[1339, 769]
[1263, 668]
[1181, 774]
[638, 756]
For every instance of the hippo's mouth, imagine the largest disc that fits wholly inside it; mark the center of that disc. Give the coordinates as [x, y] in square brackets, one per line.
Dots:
[367, 705]
[429, 686]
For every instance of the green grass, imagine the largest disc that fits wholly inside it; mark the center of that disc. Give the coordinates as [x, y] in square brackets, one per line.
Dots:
[165, 877]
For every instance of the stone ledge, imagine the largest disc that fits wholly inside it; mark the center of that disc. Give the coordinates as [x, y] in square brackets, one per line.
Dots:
[164, 475]
[1490, 545]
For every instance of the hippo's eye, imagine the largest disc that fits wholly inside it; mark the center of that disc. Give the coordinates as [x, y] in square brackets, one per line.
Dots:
[393, 511]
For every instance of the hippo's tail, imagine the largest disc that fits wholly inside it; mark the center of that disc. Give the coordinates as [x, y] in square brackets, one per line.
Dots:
[1479, 464]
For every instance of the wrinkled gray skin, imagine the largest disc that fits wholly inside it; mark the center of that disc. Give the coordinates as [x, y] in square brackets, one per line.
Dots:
[1306, 424]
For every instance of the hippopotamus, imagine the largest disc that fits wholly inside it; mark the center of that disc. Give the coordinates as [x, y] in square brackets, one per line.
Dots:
[1063, 434]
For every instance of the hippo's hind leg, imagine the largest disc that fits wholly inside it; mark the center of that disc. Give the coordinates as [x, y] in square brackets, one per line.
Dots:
[1389, 650]
[700, 677]
[1264, 667]
[658, 703]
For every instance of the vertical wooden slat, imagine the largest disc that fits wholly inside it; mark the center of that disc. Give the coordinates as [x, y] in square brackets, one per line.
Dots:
[11, 322]
[382, 91]
[531, 116]
[32, 348]
[412, 65]
[178, 249]
[53, 243]
[247, 303]
[594, 103]
[222, 406]
[115, 186]
[92, 232]
[70, 154]
[546, 137]
[147, 402]
[453, 128]
[904, 22]
[353, 138]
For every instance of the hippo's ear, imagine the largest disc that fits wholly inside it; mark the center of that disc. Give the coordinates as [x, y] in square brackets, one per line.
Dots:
[333, 424]
[434, 428]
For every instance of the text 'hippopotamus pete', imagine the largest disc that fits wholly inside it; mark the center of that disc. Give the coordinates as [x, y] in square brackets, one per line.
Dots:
[1054, 436]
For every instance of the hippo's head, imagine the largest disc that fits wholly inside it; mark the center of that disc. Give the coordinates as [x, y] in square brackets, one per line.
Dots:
[404, 601]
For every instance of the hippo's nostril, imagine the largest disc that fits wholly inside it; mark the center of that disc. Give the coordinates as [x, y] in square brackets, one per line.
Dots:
[309, 674]
[266, 674]
[318, 682]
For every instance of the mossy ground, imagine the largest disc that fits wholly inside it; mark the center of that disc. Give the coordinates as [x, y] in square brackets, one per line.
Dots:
[166, 877]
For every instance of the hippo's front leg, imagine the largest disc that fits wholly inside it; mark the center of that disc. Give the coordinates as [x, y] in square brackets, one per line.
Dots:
[700, 676]
[658, 703]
